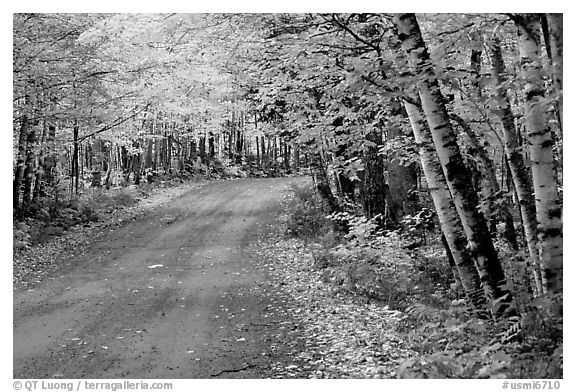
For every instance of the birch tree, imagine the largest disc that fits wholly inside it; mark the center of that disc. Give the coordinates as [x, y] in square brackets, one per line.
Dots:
[444, 138]
[556, 26]
[513, 151]
[539, 134]
[445, 209]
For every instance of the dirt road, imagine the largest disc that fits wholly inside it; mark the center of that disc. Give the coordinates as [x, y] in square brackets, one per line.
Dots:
[179, 293]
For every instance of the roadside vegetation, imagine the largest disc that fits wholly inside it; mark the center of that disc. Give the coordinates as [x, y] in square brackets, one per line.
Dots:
[403, 276]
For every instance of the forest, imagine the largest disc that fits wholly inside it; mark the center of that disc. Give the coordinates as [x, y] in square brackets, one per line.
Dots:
[437, 137]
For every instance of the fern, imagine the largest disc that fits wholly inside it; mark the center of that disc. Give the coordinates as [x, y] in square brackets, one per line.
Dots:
[512, 330]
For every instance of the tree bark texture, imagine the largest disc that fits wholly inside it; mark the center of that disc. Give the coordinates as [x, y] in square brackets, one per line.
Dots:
[514, 154]
[556, 26]
[20, 162]
[539, 135]
[374, 183]
[445, 209]
[445, 141]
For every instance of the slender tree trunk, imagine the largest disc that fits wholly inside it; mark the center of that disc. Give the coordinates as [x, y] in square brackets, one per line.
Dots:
[296, 158]
[490, 186]
[445, 141]
[556, 26]
[96, 163]
[374, 184]
[202, 148]
[548, 205]
[401, 179]
[48, 161]
[518, 171]
[475, 67]
[447, 215]
[30, 170]
[263, 149]
[157, 150]
[135, 166]
[238, 153]
[168, 153]
[20, 162]
[193, 150]
[321, 183]
[257, 152]
[211, 151]
[74, 172]
[149, 153]
[110, 169]
[40, 167]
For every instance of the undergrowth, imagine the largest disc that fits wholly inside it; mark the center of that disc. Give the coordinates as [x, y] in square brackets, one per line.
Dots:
[51, 216]
[451, 338]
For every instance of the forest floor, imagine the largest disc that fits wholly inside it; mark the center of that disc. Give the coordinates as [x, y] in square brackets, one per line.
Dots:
[197, 282]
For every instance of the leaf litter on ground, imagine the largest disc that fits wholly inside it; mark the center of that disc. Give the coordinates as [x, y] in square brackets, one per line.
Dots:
[345, 337]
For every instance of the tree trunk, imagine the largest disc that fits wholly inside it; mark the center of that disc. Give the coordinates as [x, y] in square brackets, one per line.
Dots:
[96, 161]
[518, 170]
[238, 152]
[257, 152]
[30, 170]
[168, 153]
[445, 141]
[20, 162]
[110, 167]
[74, 172]
[211, 151]
[321, 183]
[556, 26]
[401, 180]
[374, 184]
[489, 183]
[475, 67]
[49, 159]
[263, 156]
[40, 167]
[548, 205]
[149, 153]
[202, 148]
[449, 221]
[296, 157]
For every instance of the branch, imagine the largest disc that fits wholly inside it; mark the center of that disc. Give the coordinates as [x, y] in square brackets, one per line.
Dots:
[456, 30]
[114, 124]
[232, 370]
[482, 114]
[354, 35]
[350, 48]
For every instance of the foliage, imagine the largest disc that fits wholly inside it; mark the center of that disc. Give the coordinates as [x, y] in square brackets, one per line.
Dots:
[359, 229]
[451, 339]
[307, 214]
[455, 343]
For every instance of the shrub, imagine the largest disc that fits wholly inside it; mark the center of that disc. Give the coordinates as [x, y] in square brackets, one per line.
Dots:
[307, 216]
[124, 198]
[455, 343]
[22, 237]
[88, 212]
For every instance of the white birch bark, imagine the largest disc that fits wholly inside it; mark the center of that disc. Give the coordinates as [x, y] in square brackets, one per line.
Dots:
[445, 141]
[548, 205]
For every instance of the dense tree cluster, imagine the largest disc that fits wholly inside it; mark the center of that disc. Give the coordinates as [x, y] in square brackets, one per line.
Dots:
[468, 107]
